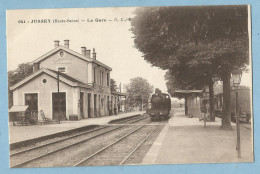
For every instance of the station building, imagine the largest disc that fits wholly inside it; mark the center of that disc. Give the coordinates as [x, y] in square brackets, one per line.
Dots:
[68, 83]
[193, 102]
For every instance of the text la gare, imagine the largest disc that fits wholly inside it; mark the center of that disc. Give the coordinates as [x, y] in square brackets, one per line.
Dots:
[96, 20]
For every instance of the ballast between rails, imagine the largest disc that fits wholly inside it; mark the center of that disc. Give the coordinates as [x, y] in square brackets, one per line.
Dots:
[122, 162]
[106, 147]
[82, 141]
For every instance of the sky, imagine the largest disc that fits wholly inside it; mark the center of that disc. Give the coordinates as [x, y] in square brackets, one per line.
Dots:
[112, 40]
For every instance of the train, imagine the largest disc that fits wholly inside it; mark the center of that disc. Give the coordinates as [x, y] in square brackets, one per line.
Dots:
[244, 102]
[160, 106]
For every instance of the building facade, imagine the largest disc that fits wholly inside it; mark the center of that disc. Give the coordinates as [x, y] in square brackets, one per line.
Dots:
[193, 102]
[66, 83]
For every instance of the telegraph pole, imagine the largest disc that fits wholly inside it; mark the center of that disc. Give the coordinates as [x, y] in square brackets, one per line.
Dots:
[238, 112]
[58, 83]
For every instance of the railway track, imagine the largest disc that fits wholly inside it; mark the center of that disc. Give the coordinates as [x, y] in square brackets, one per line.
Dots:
[47, 149]
[108, 155]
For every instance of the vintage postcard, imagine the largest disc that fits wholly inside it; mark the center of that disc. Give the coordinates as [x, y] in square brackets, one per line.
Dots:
[129, 86]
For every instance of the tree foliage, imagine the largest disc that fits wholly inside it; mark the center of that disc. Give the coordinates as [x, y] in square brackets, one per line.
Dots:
[113, 85]
[194, 43]
[15, 76]
[191, 36]
[138, 91]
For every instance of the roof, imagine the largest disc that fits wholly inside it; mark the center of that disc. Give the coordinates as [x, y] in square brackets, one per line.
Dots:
[78, 55]
[188, 91]
[18, 108]
[63, 77]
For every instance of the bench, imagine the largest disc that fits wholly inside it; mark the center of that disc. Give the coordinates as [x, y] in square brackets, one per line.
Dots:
[47, 120]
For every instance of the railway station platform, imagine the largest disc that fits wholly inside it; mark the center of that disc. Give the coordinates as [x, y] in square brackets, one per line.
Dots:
[20, 133]
[185, 140]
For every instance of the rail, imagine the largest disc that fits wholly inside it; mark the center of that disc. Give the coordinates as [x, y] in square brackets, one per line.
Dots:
[68, 138]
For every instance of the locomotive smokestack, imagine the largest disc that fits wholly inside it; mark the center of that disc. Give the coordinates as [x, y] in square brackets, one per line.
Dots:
[158, 91]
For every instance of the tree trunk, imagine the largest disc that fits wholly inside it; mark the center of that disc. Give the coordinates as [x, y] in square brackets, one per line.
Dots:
[226, 116]
[186, 106]
[142, 104]
[211, 100]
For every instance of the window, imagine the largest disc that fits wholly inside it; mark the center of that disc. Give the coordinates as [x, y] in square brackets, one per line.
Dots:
[44, 81]
[107, 79]
[94, 74]
[100, 77]
[32, 101]
[62, 69]
[61, 54]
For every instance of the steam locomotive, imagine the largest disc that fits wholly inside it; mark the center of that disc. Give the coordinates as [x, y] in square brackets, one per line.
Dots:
[160, 106]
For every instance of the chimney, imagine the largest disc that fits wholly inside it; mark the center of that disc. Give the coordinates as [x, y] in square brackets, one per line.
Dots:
[94, 54]
[88, 53]
[36, 67]
[83, 51]
[66, 43]
[56, 43]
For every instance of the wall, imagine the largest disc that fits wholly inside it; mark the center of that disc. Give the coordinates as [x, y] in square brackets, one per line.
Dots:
[98, 75]
[244, 100]
[194, 106]
[85, 103]
[76, 67]
[103, 92]
[44, 91]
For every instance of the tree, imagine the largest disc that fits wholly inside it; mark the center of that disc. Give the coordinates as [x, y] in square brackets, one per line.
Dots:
[15, 76]
[199, 41]
[138, 92]
[113, 85]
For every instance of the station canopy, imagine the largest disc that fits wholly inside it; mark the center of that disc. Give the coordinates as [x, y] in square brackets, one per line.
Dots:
[188, 91]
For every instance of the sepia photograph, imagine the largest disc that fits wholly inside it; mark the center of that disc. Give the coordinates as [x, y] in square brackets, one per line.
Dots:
[129, 86]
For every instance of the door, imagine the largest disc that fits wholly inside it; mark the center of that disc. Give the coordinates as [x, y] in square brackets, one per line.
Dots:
[89, 104]
[95, 105]
[108, 105]
[59, 105]
[32, 101]
[81, 104]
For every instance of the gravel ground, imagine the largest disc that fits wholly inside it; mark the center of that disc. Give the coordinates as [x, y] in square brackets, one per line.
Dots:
[61, 162]
[43, 150]
[50, 140]
[116, 153]
[72, 155]
[126, 119]
[67, 136]
[139, 154]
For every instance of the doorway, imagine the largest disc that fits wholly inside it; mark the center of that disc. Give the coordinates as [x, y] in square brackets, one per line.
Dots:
[59, 106]
[89, 104]
[32, 101]
[81, 100]
[95, 105]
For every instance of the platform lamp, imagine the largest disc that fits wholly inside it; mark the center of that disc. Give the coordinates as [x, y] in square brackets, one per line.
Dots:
[215, 78]
[204, 97]
[236, 79]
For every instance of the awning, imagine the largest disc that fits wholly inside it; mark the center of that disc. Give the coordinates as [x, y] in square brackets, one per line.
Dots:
[189, 91]
[18, 108]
